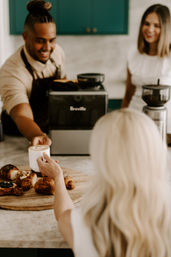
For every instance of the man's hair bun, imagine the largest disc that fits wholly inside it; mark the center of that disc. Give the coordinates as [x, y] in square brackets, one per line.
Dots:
[38, 6]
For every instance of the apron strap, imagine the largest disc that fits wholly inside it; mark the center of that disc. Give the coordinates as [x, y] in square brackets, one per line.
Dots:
[27, 64]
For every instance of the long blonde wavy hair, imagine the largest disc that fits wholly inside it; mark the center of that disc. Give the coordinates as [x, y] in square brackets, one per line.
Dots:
[127, 206]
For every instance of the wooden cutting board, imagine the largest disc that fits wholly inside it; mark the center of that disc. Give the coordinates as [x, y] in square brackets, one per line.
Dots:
[34, 201]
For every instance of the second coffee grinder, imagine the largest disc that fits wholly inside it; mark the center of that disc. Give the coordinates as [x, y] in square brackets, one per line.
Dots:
[156, 96]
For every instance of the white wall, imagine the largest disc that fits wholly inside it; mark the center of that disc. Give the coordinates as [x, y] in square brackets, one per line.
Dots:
[106, 54]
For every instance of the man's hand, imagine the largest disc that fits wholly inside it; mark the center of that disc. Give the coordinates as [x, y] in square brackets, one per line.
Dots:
[23, 117]
[41, 140]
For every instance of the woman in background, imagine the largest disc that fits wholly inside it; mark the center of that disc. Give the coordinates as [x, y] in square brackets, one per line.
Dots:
[151, 61]
[126, 210]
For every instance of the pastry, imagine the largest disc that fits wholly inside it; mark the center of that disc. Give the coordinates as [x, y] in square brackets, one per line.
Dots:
[9, 172]
[69, 183]
[17, 191]
[45, 186]
[26, 180]
[10, 188]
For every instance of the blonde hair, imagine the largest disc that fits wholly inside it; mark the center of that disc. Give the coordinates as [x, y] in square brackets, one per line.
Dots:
[127, 207]
[163, 14]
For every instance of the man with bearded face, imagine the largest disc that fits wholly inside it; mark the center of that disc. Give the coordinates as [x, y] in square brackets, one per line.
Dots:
[26, 75]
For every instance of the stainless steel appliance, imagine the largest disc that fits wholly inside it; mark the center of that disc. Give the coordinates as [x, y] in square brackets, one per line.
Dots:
[156, 96]
[73, 111]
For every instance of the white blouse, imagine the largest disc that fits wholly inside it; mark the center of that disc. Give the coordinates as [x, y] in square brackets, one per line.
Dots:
[83, 243]
[146, 69]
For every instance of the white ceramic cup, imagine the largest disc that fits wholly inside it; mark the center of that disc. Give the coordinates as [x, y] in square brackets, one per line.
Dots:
[34, 153]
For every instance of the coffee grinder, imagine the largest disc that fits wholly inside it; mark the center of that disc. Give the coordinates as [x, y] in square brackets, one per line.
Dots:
[156, 96]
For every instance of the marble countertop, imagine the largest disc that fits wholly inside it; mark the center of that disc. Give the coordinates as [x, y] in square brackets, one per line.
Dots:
[32, 229]
[35, 229]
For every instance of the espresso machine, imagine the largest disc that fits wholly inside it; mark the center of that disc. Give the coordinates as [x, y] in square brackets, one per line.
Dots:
[156, 96]
[74, 108]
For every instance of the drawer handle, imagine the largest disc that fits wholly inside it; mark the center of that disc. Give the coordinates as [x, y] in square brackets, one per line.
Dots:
[88, 30]
[94, 30]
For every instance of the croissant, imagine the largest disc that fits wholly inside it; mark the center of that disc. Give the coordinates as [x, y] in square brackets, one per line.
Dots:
[69, 183]
[26, 180]
[9, 172]
[45, 186]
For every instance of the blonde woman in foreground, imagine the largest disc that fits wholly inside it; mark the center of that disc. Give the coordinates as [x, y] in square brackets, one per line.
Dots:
[126, 211]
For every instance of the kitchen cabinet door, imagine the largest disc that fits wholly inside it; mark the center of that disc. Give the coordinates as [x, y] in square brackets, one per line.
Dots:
[93, 17]
[17, 14]
[110, 16]
[73, 16]
[78, 17]
[114, 104]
